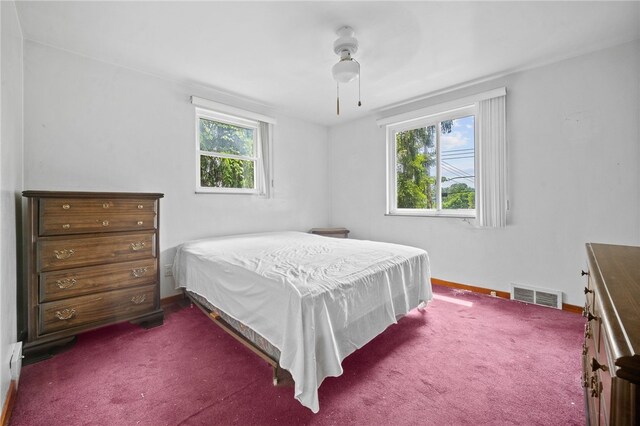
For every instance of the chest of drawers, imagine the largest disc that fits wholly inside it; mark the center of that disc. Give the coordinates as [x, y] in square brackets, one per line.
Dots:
[92, 259]
[611, 351]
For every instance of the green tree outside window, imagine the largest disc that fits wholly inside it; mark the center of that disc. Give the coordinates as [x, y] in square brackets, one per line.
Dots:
[220, 171]
[416, 177]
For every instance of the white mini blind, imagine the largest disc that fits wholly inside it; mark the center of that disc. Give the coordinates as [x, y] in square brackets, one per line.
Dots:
[492, 163]
[265, 151]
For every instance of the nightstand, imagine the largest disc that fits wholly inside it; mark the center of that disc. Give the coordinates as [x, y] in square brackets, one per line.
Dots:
[331, 232]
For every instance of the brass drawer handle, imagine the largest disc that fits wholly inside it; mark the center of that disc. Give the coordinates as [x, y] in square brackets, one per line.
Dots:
[66, 206]
[105, 223]
[138, 272]
[140, 206]
[65, 314]
[140, 222]
[587, 314]
[587, 331]
[139, 298]
[66, 283]
[137, 246]
[63, 254]
[595, 365]
[596, 387]
[66, 226]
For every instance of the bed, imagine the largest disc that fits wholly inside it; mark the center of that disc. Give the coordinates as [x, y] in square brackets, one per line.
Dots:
[307, 301]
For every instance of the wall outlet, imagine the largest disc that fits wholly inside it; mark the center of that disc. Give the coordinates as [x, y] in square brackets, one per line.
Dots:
[493, 293]
[168, 270]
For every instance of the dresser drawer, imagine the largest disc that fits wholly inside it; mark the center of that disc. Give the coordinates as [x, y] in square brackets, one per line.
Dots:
[589, 382]
[81, 206]
[589, 295]
[604, 356]
[96, 222]
[72, 252]
[67, 283]
[96, 308]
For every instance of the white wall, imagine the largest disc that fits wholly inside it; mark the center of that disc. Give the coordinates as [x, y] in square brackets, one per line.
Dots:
[92, 126]
[573, 157]
[10, 182]
[574, 170]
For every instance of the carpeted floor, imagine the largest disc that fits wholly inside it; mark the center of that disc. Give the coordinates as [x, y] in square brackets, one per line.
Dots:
[467, 360]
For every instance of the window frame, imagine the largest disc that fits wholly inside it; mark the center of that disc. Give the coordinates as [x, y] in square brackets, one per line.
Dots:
[258, 181]
[392, 177]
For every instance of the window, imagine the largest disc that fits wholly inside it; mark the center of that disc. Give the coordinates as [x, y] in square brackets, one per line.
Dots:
[450, 160]
[228, 153]
[432, 167]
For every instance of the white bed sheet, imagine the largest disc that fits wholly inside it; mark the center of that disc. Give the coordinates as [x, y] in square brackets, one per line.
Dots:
[306, 293]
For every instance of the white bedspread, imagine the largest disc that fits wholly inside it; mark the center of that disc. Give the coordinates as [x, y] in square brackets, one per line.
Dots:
[307, 294]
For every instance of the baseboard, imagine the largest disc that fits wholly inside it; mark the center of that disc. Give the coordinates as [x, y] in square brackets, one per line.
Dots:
[170, 300]
[482, 290]
[503, 294]
[8, 404]
[572, 308]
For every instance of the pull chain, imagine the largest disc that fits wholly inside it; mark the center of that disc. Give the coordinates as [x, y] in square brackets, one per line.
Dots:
[359, 75]
[337, 98]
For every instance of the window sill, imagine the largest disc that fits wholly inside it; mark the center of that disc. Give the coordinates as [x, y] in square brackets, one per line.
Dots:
[229, 192]
[453, 215]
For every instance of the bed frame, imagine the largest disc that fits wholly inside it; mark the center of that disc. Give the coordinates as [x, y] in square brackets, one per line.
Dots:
[281, 376]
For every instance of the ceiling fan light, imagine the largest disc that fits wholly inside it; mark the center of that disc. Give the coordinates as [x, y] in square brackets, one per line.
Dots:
[345, 71]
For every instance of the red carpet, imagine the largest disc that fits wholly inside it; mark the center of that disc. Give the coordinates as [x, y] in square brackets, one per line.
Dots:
[467, 360]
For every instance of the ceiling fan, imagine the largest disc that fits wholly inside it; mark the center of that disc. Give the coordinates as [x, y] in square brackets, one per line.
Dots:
[347, 68]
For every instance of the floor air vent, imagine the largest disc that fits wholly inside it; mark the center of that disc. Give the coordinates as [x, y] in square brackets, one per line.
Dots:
[537, 296]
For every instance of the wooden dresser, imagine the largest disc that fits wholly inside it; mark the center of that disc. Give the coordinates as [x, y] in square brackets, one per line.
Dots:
[92, 260]
[611, 351]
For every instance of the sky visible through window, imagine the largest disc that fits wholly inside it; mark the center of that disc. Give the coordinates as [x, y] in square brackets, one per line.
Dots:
[458, 153]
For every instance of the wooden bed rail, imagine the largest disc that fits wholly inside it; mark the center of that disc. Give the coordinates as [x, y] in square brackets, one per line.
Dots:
[281, 377]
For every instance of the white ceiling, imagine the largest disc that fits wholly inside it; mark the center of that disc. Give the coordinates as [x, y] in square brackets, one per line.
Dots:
[280, 53]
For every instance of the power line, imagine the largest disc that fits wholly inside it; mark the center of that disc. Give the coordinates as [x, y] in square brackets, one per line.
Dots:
[458, 174]
[460, 171]
[458, 153]
[459, 149]
[453, 157]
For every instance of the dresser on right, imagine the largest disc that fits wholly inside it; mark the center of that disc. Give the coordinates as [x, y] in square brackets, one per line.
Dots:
[611, 351]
